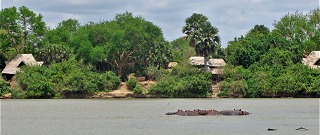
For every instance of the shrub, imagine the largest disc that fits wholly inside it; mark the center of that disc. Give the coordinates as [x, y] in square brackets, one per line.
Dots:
[183, 82]
[41, 89]
[113, 80]
[155, 74]
[3, 87]
[35, 82]
[137, 89]
[234, 88]
[97, 82]
[132, 83]
[18, 93]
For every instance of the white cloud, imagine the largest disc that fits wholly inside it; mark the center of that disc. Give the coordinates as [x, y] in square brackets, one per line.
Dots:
[232, 17]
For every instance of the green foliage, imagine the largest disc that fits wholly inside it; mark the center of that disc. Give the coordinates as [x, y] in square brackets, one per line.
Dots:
[3, 87]
[35, 82]
[54, 53]
[46, 82]
[137, 89]
[234, 83]
[132, 82]
[64, 32]
[293, 80]
[113, 80]
[70, 75]
[118, 43]
[233, 88]
[183, 82]
[18, 93]
[154, 73]
[272, 60]
[22, 30]
[247, 50]
[276, 56]
[181, 51]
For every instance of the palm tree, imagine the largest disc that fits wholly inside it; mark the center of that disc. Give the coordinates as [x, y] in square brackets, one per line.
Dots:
[203, 36]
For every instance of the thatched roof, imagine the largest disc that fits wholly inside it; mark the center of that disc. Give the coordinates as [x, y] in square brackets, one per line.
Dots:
[217, 62]
[312, 60]
[199, 61]
[21, 59]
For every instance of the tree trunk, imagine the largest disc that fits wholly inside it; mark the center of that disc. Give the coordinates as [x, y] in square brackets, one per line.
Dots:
[206, 63]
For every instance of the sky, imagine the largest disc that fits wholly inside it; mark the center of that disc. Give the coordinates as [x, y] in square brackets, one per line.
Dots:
[233, 18]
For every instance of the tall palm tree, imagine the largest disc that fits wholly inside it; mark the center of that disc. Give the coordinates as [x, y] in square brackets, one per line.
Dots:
[203, 36]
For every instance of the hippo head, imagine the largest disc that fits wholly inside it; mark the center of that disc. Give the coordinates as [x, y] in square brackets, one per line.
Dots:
[244, 113]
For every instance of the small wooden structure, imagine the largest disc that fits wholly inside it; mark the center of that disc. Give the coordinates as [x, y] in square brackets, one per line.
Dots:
[14, 65]
[312, 60]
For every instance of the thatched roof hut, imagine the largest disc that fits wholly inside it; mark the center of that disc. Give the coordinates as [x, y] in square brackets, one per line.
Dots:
[199, 61]
[215, 65]
[312, 60]
[14, 65]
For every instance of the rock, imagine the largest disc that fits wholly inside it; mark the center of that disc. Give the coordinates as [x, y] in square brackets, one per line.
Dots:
[272, 129]
[302, 129]
[9, 95]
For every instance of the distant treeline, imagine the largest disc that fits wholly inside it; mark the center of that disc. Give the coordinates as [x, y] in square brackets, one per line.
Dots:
[96, 56]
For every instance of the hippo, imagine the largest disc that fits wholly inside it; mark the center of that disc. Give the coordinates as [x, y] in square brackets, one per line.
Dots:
[203, 112]
[181, 113]
[171, 113]
[208, 112]
[234, 112]
[213, 112]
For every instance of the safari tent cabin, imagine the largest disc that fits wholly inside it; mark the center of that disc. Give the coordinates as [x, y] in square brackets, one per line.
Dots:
[312, 60]
[215, 65]
[14, 65]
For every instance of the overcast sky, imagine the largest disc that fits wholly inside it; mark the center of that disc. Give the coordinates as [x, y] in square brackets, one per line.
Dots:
[233, 18]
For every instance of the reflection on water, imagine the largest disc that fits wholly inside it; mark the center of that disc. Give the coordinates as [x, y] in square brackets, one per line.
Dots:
[146, 116]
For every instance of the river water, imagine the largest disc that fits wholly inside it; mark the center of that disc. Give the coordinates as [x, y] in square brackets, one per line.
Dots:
[147, 117]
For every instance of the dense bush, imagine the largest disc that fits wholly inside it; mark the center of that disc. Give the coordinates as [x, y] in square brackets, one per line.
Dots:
[35, 82]
[18, 93]
[3, 87]
[183, 82]
[132, 83]
[46, 82]
[137, 89]
[233, 88]
[262, 80]
[113, 80]
[154, 73]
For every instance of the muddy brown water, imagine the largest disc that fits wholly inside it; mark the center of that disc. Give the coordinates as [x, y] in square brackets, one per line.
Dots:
[147, 116]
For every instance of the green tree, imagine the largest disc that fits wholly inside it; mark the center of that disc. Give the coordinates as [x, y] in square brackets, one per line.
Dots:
[250, 48]
[181, 51]
[203, 36]
[54, 53]
[22, 30]
[63, 33]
